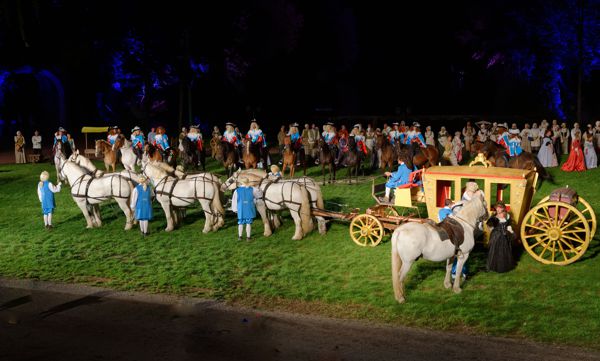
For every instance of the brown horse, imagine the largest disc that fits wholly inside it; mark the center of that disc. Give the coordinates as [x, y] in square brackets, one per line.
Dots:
[289, 157]
[422, 158]
[110, 156]
[352, 159]
[496, 154]
[388, 156]
[250, 154]
[326, 158]
[228, 155]
[153, 153]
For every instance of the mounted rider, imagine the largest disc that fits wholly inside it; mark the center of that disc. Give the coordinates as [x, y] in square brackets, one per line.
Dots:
[257, 137]
[360, 139]
[60, 136]
[295, 137]
[113, 135]
[137, 142]
[395, 135]
[161, 141]
[195, 137]
[230, 136]
[414, 139]
[512, 148]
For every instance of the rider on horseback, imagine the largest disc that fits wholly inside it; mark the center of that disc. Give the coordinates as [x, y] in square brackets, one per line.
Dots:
[231, 137]
[137, 142]
[195, 137]
[512, 148]
[359, 138]
[395, 135]
[296, 139]
[60, 136]
[161, 141]
[256, 136]
[414, 139]
[113, 135]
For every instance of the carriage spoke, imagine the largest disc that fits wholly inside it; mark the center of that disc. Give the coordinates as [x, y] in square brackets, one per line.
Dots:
[535, 227]
[539, 219]
[564, 218]
[371, 239]
[542, 239]
[544, 250]
[570, 224]
[569, 245]
[574, 239]
[562, 251]
[548, 218]
[553, 250]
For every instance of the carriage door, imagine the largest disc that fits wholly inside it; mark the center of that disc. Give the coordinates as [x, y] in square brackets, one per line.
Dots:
[444, 190]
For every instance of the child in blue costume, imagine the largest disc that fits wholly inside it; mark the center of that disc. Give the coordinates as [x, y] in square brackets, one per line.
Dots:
[141, 203]
[45, 191]
[397, 178]
[242, 203]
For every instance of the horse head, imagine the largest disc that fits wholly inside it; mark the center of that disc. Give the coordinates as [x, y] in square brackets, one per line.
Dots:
[231, 183]
[99, 148]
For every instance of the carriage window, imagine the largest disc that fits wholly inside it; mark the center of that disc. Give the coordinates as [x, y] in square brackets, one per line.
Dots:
[444, 190]
[500, 193]
[464, 181]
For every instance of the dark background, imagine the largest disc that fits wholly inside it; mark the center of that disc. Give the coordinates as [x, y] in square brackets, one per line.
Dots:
[286, 60]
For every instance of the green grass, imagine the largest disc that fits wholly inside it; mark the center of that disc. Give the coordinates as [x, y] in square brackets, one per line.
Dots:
[326, 275]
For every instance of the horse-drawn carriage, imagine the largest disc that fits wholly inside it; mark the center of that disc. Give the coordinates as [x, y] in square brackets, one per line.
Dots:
[557, 230]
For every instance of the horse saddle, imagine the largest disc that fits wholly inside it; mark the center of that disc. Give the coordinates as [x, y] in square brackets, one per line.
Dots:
[450, 229]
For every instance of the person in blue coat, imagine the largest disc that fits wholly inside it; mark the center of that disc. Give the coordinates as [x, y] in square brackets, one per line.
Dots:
[446, 211]
[242, 203]
[141, 203]
[45, 191]
[397, 178]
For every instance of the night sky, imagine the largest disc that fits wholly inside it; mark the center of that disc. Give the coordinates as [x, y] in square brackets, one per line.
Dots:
[278, 60]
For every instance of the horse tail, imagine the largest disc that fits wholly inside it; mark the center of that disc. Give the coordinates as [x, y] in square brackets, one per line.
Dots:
[396, 265]
[216, 204]
[305, 211]
[542, 170]
[320, 202]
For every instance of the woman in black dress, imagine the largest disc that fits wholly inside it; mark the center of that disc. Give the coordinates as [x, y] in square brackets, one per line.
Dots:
[500, 257]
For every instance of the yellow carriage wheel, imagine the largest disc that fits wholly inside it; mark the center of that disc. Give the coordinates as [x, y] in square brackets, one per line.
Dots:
[555, 233]
[366, 230]
[588, 212]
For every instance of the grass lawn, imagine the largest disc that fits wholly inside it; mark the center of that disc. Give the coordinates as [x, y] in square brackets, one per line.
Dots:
[326, 275]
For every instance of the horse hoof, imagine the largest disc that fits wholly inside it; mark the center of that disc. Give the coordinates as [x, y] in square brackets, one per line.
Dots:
[400, 299]
[205, 231]
[267, 234]
[447, 285]
[457, 290]
[168, 229]
[296, 238]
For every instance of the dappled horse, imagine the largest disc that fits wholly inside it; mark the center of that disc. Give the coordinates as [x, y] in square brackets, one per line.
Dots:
[412, 240]
[191, 155]
[173, 193]
[278, 196]
[227, 154]
[105, 149]
[326, 159]
[88, 192]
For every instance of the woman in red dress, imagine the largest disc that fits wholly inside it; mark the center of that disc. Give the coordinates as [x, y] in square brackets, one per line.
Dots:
[576, 160]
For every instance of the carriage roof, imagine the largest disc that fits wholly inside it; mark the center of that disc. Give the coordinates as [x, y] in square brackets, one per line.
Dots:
[515, 187]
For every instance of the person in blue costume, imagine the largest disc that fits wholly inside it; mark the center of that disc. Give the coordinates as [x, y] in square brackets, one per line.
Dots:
[141, 203]
[242, 203]
[45, 191]
[446, 211]
[397, 178]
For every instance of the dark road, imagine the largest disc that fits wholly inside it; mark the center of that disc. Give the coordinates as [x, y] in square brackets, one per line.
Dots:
[85, 323]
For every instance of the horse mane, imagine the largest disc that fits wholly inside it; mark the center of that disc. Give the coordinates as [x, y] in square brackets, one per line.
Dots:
[156, 170]
[471, 208]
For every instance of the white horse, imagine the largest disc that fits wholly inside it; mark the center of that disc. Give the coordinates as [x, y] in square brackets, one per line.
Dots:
[412, 240]
[174, 193]
[88, 192]
[128, 156]
[277, 196]
[84, 162]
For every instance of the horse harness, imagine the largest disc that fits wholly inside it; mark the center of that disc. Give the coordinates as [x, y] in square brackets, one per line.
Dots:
[283, 201]
[158, 190]
[79, 183]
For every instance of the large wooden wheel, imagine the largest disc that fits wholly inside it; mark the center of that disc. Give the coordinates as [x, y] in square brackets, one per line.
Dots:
[584, 207]
[366, 230]
[556, 232]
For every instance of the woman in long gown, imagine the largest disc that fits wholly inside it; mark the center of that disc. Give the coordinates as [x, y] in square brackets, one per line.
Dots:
[591, 159]
[576, 160]
[546, 154]
[500, 257]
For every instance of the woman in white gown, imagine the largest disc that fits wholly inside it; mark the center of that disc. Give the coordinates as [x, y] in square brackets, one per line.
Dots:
[546, 155]
[591, 159]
